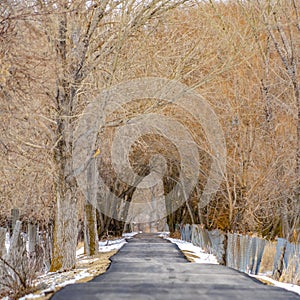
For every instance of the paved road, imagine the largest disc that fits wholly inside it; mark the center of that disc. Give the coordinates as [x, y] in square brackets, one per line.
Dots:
[149, 267]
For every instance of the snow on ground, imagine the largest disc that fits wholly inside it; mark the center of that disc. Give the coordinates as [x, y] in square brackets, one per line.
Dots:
[288, 286]
[106, 246]
[110, 245]
[199, 256]
[130, 234]
[55, 280]
[194, 253]
[80, 252]
[7, 241]
[29, 296]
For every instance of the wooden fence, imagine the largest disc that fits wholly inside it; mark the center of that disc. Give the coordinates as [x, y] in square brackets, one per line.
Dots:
[246, 253]
[24, 251]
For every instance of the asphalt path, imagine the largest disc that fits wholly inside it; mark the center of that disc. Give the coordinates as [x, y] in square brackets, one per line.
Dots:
[149, 267]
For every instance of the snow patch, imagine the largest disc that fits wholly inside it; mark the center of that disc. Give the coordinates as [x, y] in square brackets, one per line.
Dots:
[7, 242]
[198, 254]
[80, 252]
[287, 286]
[56, 277]
[77, 277]
[129, 234]
[110, 245]
[211, 259]
[107, 246]
[30, 296]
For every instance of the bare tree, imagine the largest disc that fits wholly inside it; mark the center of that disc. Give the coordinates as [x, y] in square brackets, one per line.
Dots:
[80, 36]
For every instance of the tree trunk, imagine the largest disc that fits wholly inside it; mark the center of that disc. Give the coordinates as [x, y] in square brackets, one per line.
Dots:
[90, 230]
[65, 226]
[297, 96]
[65, 229]
[90, 216]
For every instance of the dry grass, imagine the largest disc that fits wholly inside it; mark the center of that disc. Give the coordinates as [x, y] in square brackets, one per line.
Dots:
[175, 235]
[189, 255]
[267, 262]
[291, 274]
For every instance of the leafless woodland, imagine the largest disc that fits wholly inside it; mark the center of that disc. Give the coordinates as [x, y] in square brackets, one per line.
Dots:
[242, 56]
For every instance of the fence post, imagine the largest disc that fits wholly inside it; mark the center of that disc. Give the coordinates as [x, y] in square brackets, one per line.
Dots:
[237, 251]
[15, 214]
[229, 251]
[245, 253]
[32, 237]
[2, 241]
[259, 253]
[279, 259]
[206, 240]
[16, 241]
[225, 244]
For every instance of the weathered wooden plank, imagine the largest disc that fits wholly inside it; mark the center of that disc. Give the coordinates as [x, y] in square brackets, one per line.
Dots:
[32, 237]
[15, 214]
[2, 241]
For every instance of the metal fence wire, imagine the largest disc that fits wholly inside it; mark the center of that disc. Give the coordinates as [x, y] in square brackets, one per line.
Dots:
[244, 252]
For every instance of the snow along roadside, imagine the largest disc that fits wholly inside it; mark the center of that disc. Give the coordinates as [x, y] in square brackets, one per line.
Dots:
[194, 253]
[287, 286]
[200, 257]
[57, 280]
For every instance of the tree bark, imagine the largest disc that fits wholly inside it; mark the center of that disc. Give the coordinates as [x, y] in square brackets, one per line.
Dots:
[297, 96]
[65, 229]
[90, 230]
[90, 216]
